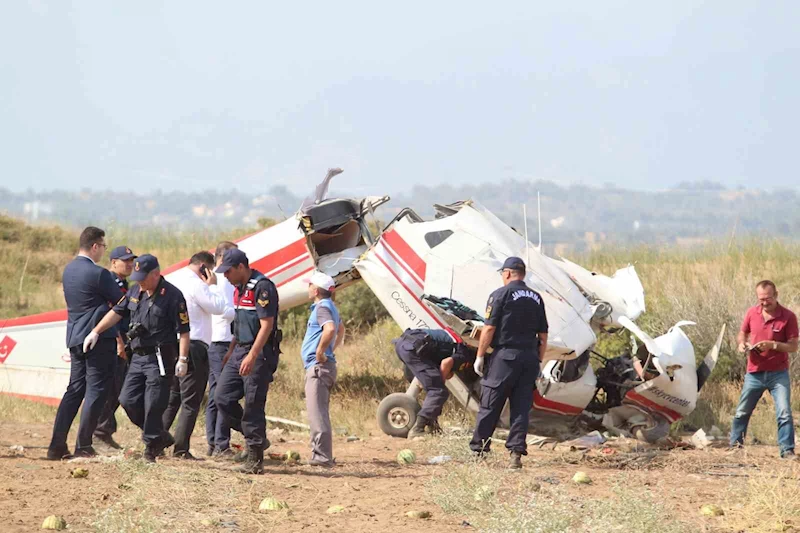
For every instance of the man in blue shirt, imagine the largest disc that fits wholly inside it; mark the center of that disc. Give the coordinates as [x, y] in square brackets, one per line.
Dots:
[325, 333]
[89, 291]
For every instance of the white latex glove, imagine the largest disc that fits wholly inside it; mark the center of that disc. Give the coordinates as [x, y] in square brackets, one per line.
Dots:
[181, 368]
[90, 341]
[478, 366]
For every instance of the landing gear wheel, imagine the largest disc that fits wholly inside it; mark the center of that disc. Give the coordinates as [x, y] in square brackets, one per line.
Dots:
[397, 414]
[653, 434]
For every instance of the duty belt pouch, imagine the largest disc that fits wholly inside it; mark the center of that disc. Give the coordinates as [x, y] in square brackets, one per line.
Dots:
[424, 345]
[277, 337]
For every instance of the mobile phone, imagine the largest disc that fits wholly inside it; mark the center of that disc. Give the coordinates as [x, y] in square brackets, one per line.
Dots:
[203, 272]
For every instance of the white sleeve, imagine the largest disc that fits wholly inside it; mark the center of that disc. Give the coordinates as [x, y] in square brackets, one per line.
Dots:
[211, 302]
[228, 312]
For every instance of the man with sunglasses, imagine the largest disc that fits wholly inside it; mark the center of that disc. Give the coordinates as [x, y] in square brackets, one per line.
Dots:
[89, 291]
[768, 335]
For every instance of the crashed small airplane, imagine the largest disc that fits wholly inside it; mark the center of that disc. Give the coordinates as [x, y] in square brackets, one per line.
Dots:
[412, 266]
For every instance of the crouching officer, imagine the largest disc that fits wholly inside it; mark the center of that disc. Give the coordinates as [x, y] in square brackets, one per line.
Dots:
[252, 358]
[516, 329]
[432, 356]
[157, 312]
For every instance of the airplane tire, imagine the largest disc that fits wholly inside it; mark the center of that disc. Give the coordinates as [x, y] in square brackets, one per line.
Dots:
[397, 414]
[655, 433]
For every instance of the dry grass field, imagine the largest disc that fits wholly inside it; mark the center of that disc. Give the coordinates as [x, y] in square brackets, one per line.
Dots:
[634, 489]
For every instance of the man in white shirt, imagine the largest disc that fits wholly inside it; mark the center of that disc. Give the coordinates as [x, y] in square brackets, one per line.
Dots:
[218, 430]
[198, 283]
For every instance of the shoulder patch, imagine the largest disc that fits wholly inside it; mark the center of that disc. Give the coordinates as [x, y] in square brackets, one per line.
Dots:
[182, 306]
[488, 311]
[184, 317]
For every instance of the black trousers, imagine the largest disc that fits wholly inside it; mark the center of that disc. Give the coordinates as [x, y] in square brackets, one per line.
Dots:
[511, 376]
[107, 425]
[186, 394]
[231, 387]
[218, 431]
[429, 375]
[145, 393]
[90, 376]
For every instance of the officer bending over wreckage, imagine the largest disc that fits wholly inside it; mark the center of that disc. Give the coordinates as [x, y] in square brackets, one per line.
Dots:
[432, 356]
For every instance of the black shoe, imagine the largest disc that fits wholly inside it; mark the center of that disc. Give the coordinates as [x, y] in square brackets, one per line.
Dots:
[61, 454]
[165, 442]
[108, 440]
[210, 451]
[150, 455]
[516, 461]
[435, 428]
[254, 463]
[87, 452]
[186, 455]
[418, 430]
[789, 455]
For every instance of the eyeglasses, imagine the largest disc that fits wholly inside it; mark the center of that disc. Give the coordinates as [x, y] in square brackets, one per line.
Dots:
[104, 245]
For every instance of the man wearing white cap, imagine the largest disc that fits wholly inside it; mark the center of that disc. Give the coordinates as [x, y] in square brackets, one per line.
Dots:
[324, 334]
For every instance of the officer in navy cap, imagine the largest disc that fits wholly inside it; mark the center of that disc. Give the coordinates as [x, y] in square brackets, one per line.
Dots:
[432, 355]
[157, 312]
[516, 330]
[252, 358]
[121, 267]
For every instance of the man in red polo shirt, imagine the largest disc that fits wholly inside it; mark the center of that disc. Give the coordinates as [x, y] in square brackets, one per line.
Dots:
[768, 335]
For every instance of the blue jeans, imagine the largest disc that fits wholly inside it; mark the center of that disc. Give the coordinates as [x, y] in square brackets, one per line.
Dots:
[777, 383]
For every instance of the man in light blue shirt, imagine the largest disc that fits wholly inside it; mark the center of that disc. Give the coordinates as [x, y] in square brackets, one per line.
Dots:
[324, 334]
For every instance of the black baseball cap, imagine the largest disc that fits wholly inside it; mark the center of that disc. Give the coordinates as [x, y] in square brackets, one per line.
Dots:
[122, 252]
[513, 263]
[231, 258]
[143, 265]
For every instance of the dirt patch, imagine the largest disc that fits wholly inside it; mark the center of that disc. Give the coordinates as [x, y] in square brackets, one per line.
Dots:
[128, 495]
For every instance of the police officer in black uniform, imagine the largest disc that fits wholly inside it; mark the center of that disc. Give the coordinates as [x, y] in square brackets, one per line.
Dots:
[121, 267]
[516, 329]
[252, 358]
[432, 356]
[157, 312]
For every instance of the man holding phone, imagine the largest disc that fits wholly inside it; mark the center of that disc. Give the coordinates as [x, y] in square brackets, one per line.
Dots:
[768, 335]
[198, 283]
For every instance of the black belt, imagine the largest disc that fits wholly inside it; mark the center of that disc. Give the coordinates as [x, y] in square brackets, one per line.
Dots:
[515, 347]
[150, 350]
[226, 343]
[200, 342]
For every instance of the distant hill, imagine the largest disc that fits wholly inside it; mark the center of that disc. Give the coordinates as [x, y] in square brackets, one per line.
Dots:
[574, 217]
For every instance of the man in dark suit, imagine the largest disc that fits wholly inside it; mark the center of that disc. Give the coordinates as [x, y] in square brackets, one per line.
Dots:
[90, 291]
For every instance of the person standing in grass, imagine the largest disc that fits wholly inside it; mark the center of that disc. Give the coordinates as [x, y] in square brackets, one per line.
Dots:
[89, 291]
[768, 335]
[324, 333]
[121, 267]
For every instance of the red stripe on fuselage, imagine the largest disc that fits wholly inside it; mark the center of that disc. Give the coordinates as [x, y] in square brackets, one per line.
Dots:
[650, 404]
[406, 252]
[541, 401]
[42, 318]
[280, 257]
[449, 331]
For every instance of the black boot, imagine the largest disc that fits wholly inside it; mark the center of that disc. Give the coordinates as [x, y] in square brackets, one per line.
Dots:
[254, 463]
[435, 428]
[419, 428]
[242, 456]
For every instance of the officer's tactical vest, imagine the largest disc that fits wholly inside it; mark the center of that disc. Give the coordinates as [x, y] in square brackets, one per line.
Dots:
[246, 323]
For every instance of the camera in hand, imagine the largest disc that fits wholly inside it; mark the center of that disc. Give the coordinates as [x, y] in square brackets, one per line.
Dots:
[135, 331]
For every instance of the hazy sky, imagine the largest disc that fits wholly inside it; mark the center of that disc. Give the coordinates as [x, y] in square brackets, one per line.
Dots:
[189, 94]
